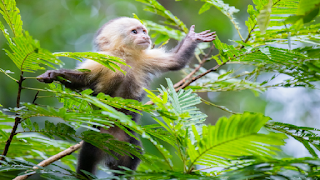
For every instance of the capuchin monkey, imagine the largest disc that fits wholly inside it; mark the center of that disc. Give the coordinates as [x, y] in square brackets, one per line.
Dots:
[128, 39]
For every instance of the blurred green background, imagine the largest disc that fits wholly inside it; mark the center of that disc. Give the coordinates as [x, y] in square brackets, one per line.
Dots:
[69, 25]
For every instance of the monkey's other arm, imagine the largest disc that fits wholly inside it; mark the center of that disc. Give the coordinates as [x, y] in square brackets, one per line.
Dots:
[72, 79]
[183, 52]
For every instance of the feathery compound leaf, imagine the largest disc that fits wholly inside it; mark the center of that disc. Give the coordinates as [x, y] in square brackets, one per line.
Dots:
[183, 103]
[61, 130]
[295, 63]
[11, 14]
[226, 52]
[110, 62]
[120, 147]
[284, 12]
[169, 33]
[306, 135]
[25, 52]
[306, 6]
[288, 168]
[232, 137]
[95, 117]
[155, 7]
[128, 104]
[5, 118]
[225, 81]
[70, 98]
[224, 8]
[307, 11]
[264, 17]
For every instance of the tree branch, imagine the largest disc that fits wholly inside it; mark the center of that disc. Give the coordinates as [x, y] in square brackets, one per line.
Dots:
[16, 120]
[204, 59]
[52, 159]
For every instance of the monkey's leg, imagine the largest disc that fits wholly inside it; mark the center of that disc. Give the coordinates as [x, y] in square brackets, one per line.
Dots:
[126, 161]
[89, 158]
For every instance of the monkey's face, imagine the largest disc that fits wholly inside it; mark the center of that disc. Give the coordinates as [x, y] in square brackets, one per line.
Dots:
[122, 32]
[139, 38]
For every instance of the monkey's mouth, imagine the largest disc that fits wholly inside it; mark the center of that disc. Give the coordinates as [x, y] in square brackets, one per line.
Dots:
[144, 43]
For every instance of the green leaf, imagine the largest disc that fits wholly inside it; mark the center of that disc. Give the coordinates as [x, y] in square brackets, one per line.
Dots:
[306, 135]
[287, 168]
[225, 9]
[108, 61]
[165, 32]
[217, 144]
[306, 6]
[204, 8]
[25, 52]
[155, 7]
[263, 18]
[183, 103]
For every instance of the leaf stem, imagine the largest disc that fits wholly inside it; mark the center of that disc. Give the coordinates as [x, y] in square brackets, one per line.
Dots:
[220, 107]
[25, 59]
[9, 75]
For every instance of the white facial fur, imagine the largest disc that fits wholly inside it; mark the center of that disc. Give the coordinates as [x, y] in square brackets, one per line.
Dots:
[124, 32]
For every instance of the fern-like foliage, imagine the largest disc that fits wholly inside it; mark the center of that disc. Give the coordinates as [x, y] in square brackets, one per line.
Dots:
[308, 136]
[61, 130]
[286, 168]
[226, 81]
[155, 7]
[183, 105]
[25, 52]
[163, 33]
[224, 8]
[233, 137]
[110, 62]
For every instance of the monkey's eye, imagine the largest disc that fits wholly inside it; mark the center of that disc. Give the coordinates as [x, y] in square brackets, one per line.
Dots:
[144, 31]
[134, 31]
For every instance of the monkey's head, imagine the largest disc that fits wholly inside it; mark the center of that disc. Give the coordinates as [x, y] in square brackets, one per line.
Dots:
[122, 32]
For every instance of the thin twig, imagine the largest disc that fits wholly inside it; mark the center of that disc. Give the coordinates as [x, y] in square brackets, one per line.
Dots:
[16, 120]
[35, 97]
[204, 59]
[199, 76]
[52, 159]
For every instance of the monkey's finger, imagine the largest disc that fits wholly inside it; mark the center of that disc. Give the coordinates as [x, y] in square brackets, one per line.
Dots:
[44, 79]
[204, 32]
[192, 28]
[208, 39]
[209, 34]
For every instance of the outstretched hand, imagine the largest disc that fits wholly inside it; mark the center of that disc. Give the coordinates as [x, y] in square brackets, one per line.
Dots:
[205, 36]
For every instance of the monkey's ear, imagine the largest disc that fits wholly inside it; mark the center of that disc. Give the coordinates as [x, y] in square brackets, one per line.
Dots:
[102, 43]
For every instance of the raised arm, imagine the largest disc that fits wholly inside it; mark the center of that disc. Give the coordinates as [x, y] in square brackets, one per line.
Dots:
[179, 56]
